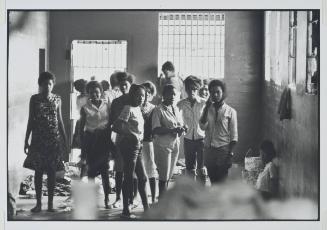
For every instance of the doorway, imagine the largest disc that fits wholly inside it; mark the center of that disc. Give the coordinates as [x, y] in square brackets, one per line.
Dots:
[93, 60]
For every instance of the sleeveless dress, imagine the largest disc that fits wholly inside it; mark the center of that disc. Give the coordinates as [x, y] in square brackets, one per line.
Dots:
[46, 149]
[147, 150]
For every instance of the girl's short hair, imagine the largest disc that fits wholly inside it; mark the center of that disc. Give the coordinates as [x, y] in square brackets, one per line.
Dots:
[105, 85]
[125, 76]
[215, 83]
[168, 65]
[150, 87]
[269, 150]
[80, 85]
[192, 81]
[168, 88]
[45, 76]
[93, 85]
[113, 80]
[219, 83]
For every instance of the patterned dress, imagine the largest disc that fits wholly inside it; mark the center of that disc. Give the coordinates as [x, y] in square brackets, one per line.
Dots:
[46, 149]
[147, 150]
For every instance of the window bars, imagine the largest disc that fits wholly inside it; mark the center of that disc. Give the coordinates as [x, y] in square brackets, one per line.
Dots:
[194, 42]
[98, 59]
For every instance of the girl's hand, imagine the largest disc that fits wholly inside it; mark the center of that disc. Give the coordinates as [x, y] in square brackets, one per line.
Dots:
[26, 147]
[209, 102]
[179, 130]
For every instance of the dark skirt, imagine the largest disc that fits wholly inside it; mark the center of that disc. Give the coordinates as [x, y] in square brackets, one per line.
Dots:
[95, 149]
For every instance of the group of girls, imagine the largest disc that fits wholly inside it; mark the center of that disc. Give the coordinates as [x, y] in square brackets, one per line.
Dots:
[143, 137]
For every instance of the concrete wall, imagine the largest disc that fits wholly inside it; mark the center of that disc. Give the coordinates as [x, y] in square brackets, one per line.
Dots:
[243, 64]
[296, 140]
[243, 74]
[28, 32]
[140, 29]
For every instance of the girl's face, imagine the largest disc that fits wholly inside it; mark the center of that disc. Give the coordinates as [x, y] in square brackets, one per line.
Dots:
[47, 86]
[124, 86]
[169, 73]
[192, 91]
[149, 96]
[204, 92]
[263, 156]
[139, 98]
[169, 97]
[216, 94]
[95, 94]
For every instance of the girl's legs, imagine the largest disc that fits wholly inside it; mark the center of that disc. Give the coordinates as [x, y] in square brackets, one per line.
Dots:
[190, 157]
[51, 185]
[119, 182]
[134, 192]
[119, 175]
[135, 188]
[142, 179]
[162, 187]
[152, 182]
[163, 161]
[106, 186]
[38, 190]
[201, 170]
[129, 168]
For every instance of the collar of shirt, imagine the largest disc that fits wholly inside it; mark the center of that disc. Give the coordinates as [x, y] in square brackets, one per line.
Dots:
[172, 109]
[93, 106]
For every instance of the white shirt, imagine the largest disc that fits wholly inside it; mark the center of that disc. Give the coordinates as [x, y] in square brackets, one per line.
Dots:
[264, 179]
[96, 118]
[134, 119]
[191, 116]
[163, 116]
[111, 94]
[221, 127]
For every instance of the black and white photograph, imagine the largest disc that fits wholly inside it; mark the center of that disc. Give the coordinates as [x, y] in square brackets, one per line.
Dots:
[159, 115]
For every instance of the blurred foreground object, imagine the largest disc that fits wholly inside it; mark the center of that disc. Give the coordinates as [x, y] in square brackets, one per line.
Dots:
[232, 200]
[85, 200]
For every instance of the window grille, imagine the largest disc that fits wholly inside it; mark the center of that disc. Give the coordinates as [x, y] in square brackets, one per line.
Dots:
[98, 59]
[194, 42]
[292, 47]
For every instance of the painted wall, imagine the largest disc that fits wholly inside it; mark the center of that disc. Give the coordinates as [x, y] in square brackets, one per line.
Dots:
[28, 32]
[243, 55]
[296, 140]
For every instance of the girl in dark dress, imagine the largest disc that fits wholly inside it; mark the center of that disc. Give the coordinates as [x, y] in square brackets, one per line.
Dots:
[44, 154]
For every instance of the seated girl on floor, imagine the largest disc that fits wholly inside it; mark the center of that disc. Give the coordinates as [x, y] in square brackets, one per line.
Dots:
[267, 182]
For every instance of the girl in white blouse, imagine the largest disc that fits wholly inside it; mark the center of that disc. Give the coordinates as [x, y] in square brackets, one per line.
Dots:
[167, 127]
[95, 136]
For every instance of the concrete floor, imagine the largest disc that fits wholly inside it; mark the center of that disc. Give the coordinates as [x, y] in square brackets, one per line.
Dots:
[24, 205]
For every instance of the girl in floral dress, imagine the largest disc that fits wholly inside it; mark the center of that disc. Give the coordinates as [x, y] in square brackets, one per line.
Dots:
[147, 150]
[45, 153]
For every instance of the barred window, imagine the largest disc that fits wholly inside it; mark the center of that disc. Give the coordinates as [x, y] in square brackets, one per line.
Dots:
[313, 44]
[98, 59]
[194, 42]
[292, 47]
